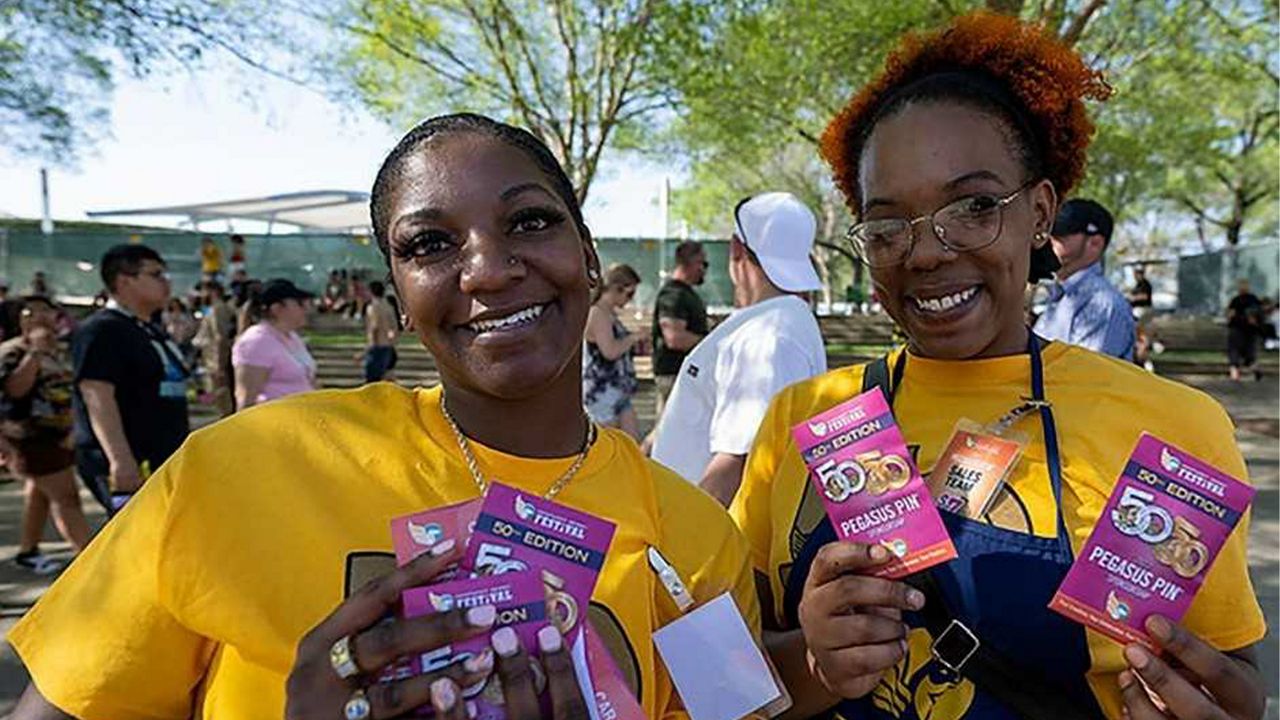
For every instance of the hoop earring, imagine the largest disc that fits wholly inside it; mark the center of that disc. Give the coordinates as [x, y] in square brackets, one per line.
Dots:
[1041, 238]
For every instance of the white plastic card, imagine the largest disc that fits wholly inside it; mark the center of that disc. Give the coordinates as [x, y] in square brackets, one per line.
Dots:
[715, 663]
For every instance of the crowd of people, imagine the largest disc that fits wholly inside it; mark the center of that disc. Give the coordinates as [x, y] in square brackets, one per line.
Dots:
[108, 398]
[259, 582]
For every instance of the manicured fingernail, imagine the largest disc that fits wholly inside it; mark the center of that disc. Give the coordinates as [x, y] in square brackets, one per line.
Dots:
[1160, 628]
[443, 548]
[443, 694]
[879, 553]
[505, 642]
[549, 639]
[472, 710]
[915, 599]
[903, 644]
[480, 664]
[482, 616]
[1125, 679]
[1137, 657]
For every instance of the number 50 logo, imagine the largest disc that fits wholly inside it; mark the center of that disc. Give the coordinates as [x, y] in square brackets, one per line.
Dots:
[1136, 516]
[841, 479]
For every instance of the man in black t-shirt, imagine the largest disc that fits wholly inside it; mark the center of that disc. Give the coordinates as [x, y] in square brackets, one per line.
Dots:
[1140, 301]
[131, 382]
[679, 317]
[1140, 295]
[1244, 324]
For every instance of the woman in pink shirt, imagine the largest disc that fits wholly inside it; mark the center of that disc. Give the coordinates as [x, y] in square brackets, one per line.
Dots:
[270, 359]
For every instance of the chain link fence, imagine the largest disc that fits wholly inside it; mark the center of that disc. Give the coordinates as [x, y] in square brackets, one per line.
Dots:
[69, 258]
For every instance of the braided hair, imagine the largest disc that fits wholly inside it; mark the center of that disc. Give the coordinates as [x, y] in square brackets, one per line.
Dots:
[392, 167]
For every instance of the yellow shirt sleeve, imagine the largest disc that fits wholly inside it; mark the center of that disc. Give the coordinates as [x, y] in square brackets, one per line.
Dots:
[703, 545]
[1225, 612]
[100, 644]
[751, 509]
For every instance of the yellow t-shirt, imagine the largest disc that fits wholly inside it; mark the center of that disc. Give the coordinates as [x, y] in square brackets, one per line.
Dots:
[210, 258]
[1100, 407]
[191, 603]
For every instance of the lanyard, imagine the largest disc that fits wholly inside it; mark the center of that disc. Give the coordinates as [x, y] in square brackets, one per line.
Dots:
[1037, 401]
[163, 344]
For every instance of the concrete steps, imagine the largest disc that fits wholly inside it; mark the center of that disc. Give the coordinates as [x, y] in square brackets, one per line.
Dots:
[335, 344]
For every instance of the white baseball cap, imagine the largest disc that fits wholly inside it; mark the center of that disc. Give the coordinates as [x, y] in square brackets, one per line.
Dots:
[780, 229]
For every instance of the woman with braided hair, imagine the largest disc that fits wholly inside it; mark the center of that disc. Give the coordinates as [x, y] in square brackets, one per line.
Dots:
[255, 583]
[953, 161]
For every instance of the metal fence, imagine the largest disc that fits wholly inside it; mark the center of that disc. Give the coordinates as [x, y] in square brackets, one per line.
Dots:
[1206, 282]
[69, 258]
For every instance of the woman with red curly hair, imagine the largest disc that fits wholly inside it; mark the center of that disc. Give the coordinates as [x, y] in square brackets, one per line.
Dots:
[954, 160]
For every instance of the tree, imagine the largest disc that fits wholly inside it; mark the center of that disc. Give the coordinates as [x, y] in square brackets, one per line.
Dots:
[58, 59]
[718, 185]
[571, 71]
[1189, 135]
[786, 68]
[1228, 168]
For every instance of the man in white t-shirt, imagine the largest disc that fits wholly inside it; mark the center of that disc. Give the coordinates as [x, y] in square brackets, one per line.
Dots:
[771, 341]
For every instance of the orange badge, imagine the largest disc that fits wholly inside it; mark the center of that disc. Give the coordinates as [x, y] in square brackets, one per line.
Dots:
[971, 469]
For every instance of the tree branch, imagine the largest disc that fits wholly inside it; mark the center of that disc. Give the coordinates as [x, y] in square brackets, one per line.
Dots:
[497, 48]
[196, 29]
[1199, 211]
[1075, 30]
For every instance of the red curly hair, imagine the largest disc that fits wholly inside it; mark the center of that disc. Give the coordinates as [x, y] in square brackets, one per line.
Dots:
[1046, 77]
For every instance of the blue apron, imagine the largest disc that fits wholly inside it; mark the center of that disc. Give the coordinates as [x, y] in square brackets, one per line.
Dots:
[999, 585]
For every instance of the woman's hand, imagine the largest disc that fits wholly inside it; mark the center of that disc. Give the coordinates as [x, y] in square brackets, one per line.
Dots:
[41, 339]
[518, 677]
[1205, 683]
[852, 622]
[316, 690]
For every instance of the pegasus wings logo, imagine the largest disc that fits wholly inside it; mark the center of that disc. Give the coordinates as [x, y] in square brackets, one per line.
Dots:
[1169, 461]
[426, 535]
[525, 509]
[527, 512]
[818, 428]
[442, 602]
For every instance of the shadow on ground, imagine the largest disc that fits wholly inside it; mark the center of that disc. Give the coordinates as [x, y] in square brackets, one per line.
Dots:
[1254, 407]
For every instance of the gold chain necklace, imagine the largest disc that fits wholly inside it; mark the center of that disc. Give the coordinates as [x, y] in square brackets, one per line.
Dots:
[473, 464]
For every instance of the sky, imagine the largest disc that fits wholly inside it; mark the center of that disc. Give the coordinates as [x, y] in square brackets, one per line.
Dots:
[199, 137]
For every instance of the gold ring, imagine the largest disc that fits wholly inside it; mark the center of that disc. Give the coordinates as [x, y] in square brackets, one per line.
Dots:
[358, 707]
[343, 662]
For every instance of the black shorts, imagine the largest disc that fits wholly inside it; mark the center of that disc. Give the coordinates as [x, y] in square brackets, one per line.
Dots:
[1242, 346]
[40, 453]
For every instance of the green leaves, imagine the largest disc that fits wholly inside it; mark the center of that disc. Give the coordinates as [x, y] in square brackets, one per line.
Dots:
[572, 71]
[1190, 135]
[58, 59]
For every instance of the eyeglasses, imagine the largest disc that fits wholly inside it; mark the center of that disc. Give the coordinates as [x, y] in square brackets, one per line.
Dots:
[970, 223]
[158, 274]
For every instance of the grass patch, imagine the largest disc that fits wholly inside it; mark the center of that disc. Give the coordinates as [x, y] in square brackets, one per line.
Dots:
[857, 349]
[322, 338]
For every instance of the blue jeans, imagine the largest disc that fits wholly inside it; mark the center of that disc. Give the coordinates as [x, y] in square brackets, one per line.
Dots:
[378, 361]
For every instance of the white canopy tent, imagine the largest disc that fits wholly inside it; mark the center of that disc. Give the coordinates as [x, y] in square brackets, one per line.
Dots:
[313, 210]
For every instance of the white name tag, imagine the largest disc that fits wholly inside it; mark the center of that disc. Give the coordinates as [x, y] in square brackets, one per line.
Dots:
[715, 663]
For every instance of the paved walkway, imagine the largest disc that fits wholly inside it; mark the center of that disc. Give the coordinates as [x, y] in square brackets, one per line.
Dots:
[1254, 406]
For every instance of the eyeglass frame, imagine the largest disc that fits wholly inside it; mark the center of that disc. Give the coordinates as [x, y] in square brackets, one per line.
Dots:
[1001, 203]
[161, 274]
